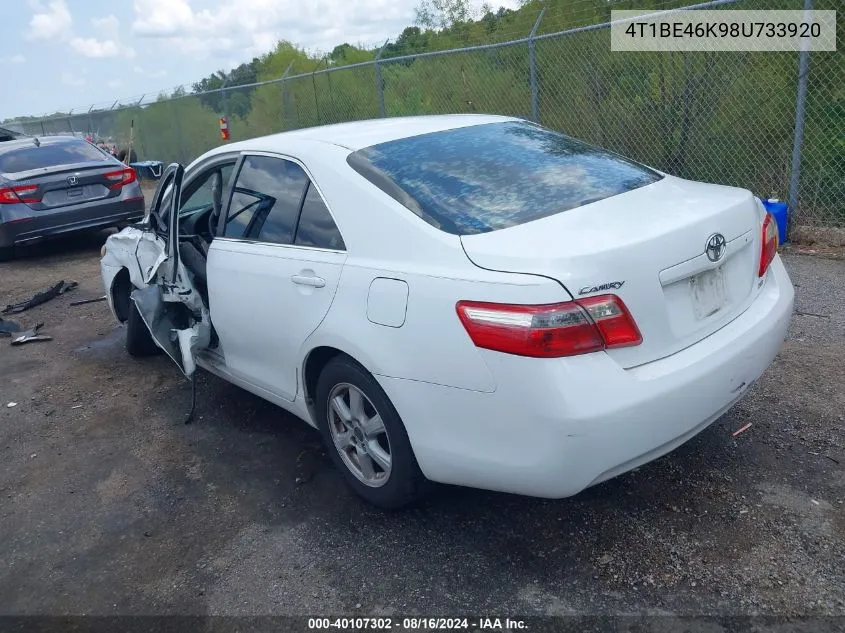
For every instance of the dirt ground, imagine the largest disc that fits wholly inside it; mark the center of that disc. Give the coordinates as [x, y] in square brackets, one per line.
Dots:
[109, 504]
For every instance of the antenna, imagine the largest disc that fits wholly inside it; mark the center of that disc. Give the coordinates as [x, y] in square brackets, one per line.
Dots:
[36, 141]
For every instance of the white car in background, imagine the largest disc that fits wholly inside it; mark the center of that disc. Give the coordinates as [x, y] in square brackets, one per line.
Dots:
[467, 299]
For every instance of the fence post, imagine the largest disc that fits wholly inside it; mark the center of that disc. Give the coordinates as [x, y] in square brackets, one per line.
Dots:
[532, 64]
[70, 122]
[379, 83]
[285, 95]
[179, 137]
[800, 112]
[90, 123]
[316, 100]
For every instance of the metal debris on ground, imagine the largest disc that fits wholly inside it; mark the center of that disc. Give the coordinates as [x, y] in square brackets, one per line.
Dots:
[84, 301]
[30, 335]
[812, 314]
[12, 404]
[41, 297]
[7, 328]
[741, 430]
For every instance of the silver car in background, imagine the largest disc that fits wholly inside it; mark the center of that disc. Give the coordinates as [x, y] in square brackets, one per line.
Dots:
[58, 184]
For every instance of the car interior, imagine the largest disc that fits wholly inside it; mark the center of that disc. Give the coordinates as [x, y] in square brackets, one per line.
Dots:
[199, 213]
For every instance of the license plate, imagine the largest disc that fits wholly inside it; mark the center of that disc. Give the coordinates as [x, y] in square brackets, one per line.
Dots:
[708, 292]
[74, 193]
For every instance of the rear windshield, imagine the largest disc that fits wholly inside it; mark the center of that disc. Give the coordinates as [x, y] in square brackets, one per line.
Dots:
[487, 177]
[49, 154]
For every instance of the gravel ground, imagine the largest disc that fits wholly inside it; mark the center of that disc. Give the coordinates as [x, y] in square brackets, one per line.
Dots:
[109, 504]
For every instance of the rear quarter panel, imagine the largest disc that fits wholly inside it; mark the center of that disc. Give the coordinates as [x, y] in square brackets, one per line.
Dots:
[386, 240]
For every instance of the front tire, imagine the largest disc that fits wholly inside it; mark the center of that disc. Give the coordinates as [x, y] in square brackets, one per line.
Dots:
[365, 436]
[139, 341]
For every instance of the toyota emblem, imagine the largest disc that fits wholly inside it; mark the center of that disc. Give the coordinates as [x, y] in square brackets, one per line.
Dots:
[716, 246]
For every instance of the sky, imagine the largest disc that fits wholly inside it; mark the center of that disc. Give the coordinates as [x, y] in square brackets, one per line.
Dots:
[58, 55]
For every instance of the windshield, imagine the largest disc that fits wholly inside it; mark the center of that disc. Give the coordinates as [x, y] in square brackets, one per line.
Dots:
[487, 177]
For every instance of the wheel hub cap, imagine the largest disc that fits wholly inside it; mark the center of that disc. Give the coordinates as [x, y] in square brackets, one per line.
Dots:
[359, 435]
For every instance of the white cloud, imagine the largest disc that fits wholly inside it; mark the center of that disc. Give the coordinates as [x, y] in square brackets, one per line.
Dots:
[69, 79]
[50, 22]
[252, 27]
[91, 47]
[155, 74]
[107, 28]
[13, 59]
[98, 49]
[108, 25]
[162, 18]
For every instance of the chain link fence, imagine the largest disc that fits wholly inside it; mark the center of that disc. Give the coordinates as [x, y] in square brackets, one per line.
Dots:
[724, 117]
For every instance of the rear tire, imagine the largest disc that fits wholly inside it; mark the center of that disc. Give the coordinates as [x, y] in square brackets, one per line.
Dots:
[7, 253]
[368, 444]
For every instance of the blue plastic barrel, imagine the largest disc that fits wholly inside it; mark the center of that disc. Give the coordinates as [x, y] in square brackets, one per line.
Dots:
[780, 211]
[148, 169]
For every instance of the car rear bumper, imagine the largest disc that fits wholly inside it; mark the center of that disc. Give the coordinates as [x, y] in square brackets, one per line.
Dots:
[27, 226]
[556, 426]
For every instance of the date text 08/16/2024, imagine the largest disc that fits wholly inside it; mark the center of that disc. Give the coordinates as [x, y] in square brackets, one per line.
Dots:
[414, 624]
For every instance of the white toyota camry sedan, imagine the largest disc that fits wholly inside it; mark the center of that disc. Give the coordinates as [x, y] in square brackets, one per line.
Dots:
[467, 299]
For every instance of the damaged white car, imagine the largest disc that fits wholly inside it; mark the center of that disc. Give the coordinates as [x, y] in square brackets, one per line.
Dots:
[471, 300]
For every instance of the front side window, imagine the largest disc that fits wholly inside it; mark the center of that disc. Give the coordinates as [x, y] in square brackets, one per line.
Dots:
[266, 200]
[201, 192]
[492, 176]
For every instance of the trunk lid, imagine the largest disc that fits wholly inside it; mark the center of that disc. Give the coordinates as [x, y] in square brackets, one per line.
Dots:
[649, 247]
[68, 184]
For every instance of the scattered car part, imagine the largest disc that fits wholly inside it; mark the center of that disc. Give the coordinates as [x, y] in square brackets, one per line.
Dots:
[7, 327]
[41, 297]
[741, 430]
[190, 417]
[84, 301]
[30, 335]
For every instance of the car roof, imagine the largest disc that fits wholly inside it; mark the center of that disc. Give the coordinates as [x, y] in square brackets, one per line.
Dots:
[358, 134]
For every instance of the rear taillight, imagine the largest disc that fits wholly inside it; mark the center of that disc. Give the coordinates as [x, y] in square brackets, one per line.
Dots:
[21, 193]
[121, 177]
[550, 330]
[770, 244]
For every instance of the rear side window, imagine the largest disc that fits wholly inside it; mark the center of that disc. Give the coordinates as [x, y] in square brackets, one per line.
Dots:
[486, 177]
[316, 227]
[274, 201]
[49, 154]
[266, 199]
